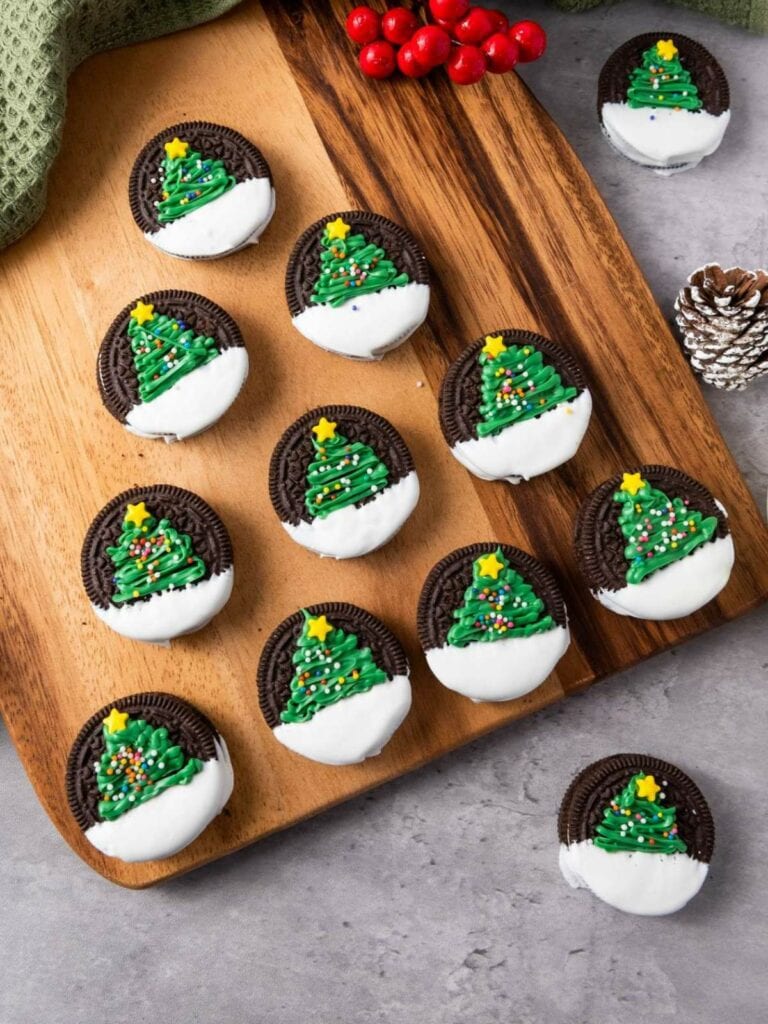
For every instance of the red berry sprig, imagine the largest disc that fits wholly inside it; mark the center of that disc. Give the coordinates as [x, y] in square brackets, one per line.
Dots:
[469, 40]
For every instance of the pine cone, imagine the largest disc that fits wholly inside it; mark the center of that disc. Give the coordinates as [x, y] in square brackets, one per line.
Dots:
[723, 319]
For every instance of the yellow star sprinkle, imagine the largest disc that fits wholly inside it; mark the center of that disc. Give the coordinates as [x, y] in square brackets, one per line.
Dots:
[116, 720]
[319, 627]
[632, 483]
[647, 788]
[494, 345]
[136, 514]
[666, 49]
[176, 148]
[337, 228]
[142, 312]
[324, 430]
[490, 566]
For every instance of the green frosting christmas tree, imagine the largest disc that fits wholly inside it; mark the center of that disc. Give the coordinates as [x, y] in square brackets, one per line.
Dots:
[164, 350]
[188, 181]
[328, 666]
[342, 472]
[138, 764]
[658, 530]
[662, 81]
[151, 557]
[637, 821]
[516, 384]
[351, 266]
[499, 604]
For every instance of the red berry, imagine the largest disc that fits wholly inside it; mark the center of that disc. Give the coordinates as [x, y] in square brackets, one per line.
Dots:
[363, 25]
[466, 65]
[377, 60]
[500, 21]
[408, 64]
[432, 45]
[531, 38]
[398, 25]
[448, 10]
[475, 26]
[502, 52]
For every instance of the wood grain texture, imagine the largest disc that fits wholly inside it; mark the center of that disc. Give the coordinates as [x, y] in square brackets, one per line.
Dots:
[517, 236]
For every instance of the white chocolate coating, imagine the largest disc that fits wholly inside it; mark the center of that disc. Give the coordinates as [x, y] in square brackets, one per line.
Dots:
[661, 138]
[355, 728]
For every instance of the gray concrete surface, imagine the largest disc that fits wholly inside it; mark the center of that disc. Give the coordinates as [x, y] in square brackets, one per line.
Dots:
[437, 900]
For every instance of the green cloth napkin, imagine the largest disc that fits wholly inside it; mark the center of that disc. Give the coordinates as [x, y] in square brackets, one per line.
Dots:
[751, 14]
[41, 42]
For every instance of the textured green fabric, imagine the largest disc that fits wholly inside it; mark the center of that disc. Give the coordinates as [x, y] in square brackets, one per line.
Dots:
[41, 42]
[751, 14]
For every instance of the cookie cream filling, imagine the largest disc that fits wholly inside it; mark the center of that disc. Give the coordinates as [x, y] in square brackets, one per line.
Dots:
[651, 884]
[355, 728]
[357, 530]
[499, 669]
[195, 402]
[170, 821]
[236, 218]
[663, 138]
[368, 326]
[530, 447]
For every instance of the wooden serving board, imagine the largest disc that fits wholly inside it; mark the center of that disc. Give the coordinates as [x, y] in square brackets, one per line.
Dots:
[517, 236]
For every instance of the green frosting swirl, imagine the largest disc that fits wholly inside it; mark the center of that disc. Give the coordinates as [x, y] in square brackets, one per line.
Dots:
[189, 182]
[326, 670]
[138, 764]
[164, 351]
[517, 385]
[350, 267]
[151, 558]
[662, 83]
[637, 825]
[342, 473]
[499, 607]
[658, 530]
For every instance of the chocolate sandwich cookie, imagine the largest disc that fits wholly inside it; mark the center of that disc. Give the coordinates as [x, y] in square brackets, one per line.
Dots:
[157, 563]
[171, 364]
[146, 774]
[653, 543]
[492, 622]
[342, 481]
[637, 832]
[514, 405]
[200, 190]
[357, 284]
[663, 101]
[333, 683]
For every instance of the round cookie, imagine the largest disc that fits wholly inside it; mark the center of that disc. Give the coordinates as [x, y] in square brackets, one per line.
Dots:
[171, 364]
[357, 284]
[653, 543]
[146, 774]
[663, 102]
[514, 405]
[637, 832]
[492, 622]
[342, 481]
[333, 684]
[157, 563]
[200, 190]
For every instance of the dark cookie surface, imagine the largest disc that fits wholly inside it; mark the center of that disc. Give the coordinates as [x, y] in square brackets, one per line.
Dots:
[460, 393]
[598, 540]
[707, 75]
[115, 368]
[593, 789]
[304, 265]
[443, 590]
[243, 160]
[186, 727]
[294, 452]
[186, 510]
[276, 669]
